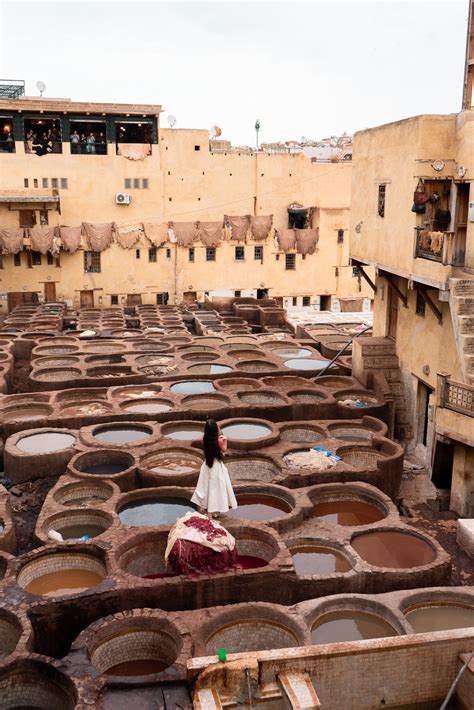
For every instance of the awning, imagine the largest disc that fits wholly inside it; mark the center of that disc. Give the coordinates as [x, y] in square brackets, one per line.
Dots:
[24, 197]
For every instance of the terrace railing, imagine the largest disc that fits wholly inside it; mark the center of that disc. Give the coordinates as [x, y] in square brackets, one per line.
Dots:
[456, 396]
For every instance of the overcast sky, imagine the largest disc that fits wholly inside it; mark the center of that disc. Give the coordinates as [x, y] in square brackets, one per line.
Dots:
[303, 68]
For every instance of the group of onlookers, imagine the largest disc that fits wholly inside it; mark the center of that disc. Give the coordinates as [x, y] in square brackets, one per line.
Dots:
[92, 143]
[48, 142]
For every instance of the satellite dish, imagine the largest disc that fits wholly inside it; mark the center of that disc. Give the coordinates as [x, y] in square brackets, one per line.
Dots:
[171, 120]
[215, 132]
[41, 86]
[304, 139]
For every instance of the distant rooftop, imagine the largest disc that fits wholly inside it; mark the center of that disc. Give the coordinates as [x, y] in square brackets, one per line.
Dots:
[11, 88]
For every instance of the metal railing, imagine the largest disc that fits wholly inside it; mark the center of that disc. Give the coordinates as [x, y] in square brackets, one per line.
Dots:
[456, 396]
[82, 148]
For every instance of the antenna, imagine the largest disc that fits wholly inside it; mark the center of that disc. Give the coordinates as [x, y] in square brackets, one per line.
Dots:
[171, 120]
[41, 86]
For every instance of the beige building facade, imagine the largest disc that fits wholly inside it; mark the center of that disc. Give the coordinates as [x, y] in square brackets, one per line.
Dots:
[182, 179]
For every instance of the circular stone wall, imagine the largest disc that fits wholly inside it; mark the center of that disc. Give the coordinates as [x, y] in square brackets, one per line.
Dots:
[34, 684]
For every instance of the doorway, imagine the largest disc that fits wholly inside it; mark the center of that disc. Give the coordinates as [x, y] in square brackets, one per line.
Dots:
[18, 297]
[50, 292]
[442, 474]
[392, 313]
[462, 209]
[87, 299]
[325, 303]
[422, 412]
[27, 218]
[134, 299]
[262, 292]
[189, 297]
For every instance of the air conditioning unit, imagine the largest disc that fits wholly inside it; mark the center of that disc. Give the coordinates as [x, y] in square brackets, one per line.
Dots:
[123, 198]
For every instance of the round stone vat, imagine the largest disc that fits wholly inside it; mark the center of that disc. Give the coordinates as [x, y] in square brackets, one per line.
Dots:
[357, 399]
[241, 339]
[307, 396]
[86, 408]
[176, 466]
[235, 384]
[57, 574]
[183, 430]
[154, 506]
[147, 406]
[58, 361]
[246, 354]
[27, 684]
[209, 340]
[267, 504]
[143, 555]
[316, 558]
[52, 374]
[154, 359]
[237, 347]
[252, 468]
[262, 397]
[306, 364]
[394, 549]
[193, 387]
[107, 346]
[356, 431]
[205, 402]
[75, 495]
[142, 645]
[124, 434]
[209, 369]
[286, 382]
[36, 452]
[133, 392]
[109, 371]
[26, 412]
[75, 524]
[200, 356]
[249, 433]
[253, 627]
[10, 632]
[350, 507]
[350, 625]
[301, 432]
[256, 366]
[104, 463]
[288, 352]
[43, 350]
[363, 457]
[439, 616]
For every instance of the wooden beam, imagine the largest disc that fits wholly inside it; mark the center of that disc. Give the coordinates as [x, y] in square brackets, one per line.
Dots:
[367, 278]
[432, 305]
[395, 288]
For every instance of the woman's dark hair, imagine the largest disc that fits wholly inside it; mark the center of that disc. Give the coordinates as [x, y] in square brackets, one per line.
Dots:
[210, 442]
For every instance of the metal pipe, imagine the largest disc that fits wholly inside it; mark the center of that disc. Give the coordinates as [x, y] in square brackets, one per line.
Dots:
[342, 351]
[456, 681]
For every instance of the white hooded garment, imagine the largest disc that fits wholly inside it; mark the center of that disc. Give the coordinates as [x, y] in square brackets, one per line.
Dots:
[214, 490]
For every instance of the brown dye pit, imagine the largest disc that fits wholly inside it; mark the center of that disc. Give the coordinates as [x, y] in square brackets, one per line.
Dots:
[259, 507]
[68, 581]
[138, 667]
[75, 532]
[148, 407]
[393, 549]
[104, 469]
[347, 512]
[440, 617]
[45, 443]
[84, 500]
[24, 415]
[340, 626]
[121, 435]
[314, 560]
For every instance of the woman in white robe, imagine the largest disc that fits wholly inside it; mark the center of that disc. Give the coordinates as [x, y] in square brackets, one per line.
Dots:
[214, 491]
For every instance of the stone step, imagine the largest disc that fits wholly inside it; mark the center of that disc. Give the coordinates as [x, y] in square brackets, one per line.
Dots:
[403, 433]
[462, 287]
[466, 324]
[373, 349]
[392, 375]
[467, 344]
[402, 418]
[469, 360]
[397, 389]
[382, 362]
[464, 306]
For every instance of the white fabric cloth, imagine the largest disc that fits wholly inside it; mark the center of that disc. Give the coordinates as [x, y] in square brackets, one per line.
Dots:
[180, 531]
[214, 490]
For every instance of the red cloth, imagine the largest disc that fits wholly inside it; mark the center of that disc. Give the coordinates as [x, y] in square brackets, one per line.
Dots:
[191, 558]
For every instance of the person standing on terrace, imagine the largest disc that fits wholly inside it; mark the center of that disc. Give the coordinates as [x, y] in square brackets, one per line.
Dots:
[214, 492]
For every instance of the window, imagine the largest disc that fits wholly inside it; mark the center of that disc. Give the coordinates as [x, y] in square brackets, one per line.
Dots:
[290, 262]
[420, 305]
[44, 182]
[44, 219]
[145, 183]
[35, 182]
[294, 301]
[57, 260]
[88, 137]
[160, 299]
[306, 301]
[136, 183]
[25, 182]
[137, 253]
[381, 201]
[237, 294]
[240, 253]
[36, 258]
[356, 272]
[258, 253]
[210, 254]
[17, 259]
[168, 253]
[191, 254]
[197, 147]
[114, 300]
[152, 255]
[277, 257]
[64, 184]
[303, 257]
[340, 236]
[127, 183]
[92, 262]
[54, 183]
[49, 258]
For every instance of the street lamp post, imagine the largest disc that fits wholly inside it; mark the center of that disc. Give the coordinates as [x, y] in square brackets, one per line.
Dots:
[257, 128]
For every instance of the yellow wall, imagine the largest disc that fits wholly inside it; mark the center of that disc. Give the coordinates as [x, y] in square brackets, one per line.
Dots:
[185, 185]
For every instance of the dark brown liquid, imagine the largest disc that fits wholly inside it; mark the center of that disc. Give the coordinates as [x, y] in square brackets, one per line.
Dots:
[347, 512]
[343, 626]
[139, 667]
[439, 617]
[393, 549]
[319, 561]
[255, 507]
[68, 581]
